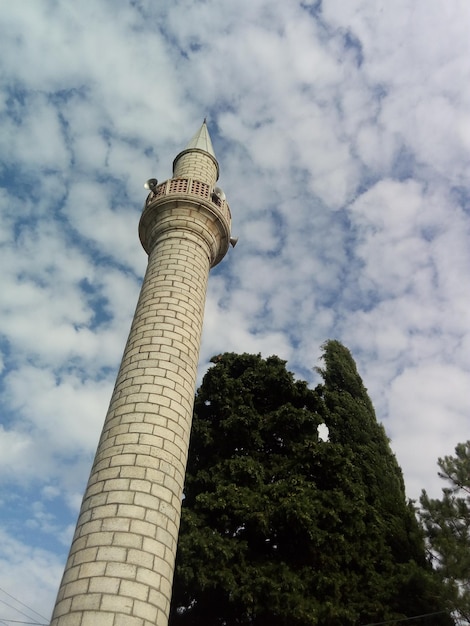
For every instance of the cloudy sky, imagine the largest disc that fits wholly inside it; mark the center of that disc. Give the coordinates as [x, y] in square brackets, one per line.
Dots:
[342, 130]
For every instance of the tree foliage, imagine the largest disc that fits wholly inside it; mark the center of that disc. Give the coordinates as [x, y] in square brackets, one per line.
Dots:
[280, 528]
[447, 524]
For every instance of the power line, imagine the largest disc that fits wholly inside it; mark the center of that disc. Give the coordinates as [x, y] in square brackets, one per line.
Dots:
[22, 604]
[16, 621]
[406, 619]
[18, 610]
[15, 609]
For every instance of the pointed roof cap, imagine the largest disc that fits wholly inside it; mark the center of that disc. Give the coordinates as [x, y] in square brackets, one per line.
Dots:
[201, 141]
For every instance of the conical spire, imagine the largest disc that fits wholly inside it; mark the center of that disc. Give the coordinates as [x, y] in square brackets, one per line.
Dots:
[202, 140]
[201, 143]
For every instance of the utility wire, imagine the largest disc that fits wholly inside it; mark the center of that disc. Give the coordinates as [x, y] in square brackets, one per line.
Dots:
[16, 621]
[18, 610]
[406, 619]
[22, 604]
[15, 609]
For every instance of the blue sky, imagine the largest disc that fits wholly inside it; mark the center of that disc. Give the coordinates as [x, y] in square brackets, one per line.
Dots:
[342, 132]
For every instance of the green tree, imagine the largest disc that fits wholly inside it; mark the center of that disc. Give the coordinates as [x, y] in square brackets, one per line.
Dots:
[393, 548]
[280, 528]
[447, 524]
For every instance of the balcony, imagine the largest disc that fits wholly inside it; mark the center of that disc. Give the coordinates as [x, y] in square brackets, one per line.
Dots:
[189, 187]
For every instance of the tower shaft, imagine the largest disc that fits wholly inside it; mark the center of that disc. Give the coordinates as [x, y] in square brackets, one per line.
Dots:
[120, 567]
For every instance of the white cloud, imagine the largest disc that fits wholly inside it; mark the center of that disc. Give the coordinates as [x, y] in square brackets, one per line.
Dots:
[32, 573]
[429, 406]
[35, 137]
[342, 132]
[58, 422]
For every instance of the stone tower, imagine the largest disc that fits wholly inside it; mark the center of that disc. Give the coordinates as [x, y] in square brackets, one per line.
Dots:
[120, 567]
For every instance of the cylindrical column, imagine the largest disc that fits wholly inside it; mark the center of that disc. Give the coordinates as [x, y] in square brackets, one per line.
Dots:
[189, 163]
[120, 566]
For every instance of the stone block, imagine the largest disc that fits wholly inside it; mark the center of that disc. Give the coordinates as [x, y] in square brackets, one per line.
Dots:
[121, 570]
[140, 558]
[111, 553]
[104, 584]
[134, 589]
[96, 618]
[86, 602]
[121, 605]
[127, 620]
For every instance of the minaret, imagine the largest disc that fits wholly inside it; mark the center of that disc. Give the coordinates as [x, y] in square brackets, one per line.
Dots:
[120, 567]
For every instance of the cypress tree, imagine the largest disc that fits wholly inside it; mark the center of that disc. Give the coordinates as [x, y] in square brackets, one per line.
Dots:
[390, 555]
[281, 528]
[447, 524]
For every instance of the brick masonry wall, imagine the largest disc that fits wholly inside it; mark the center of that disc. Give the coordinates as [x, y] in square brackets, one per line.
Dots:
[120, 566]
[191, 165]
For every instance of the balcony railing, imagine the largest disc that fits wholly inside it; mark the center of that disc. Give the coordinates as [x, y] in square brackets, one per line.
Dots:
[189, 187]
